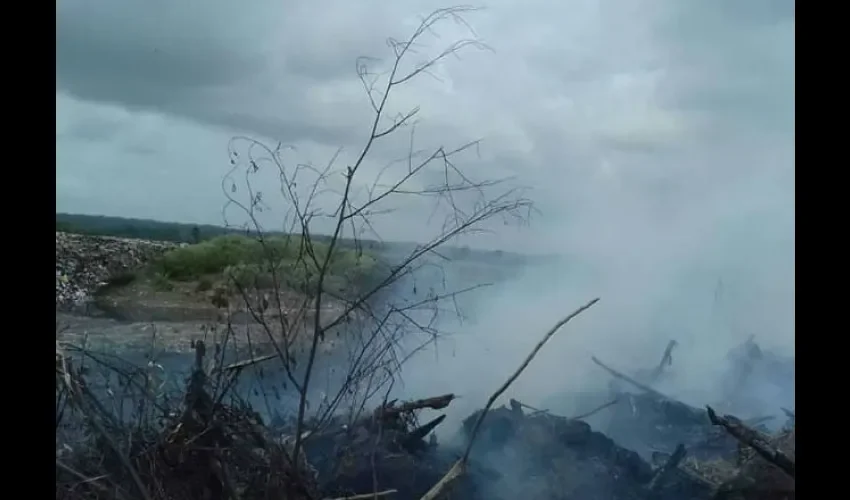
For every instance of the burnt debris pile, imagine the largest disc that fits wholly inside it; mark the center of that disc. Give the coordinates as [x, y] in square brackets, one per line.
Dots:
[205, 443]
[192, 447]
[388, 450]
[544, 456]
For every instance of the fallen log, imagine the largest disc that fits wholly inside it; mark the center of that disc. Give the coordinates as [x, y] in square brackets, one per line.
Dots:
[753, 439]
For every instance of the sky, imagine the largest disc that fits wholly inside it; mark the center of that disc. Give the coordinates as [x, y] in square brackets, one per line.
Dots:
[656, 139]
[654, 111]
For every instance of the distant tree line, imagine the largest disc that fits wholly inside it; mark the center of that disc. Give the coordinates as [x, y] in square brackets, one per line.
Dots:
[103, 225]
[178, 232]
[146, 229]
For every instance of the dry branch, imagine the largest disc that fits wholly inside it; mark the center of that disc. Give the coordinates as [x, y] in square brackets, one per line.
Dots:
[238, 365]
[519, 405]
[753, 439]
[666, 360]
[377, 359]
[663, 471]
[435, 403]
[367, 496]
[597, 409]
[74, 389]
[460, 466]
[423, 430]
[623, 376]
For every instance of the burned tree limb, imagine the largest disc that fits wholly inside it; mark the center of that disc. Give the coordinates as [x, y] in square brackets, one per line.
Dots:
[623, 376]
[666, 360]
[239, 365]
[443, 484]
[597, 409]
[663, 471]
[367, 496]
[753, 439]
[422, 431]
[520, 405]
[460, 466]
[759, 420]
[435, 403]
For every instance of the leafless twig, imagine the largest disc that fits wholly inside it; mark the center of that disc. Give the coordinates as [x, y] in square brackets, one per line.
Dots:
[597, 409]
[460, 466]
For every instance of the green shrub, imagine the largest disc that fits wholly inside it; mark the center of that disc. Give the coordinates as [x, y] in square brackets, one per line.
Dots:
[161, 282]
[215, 255]
[246, 261]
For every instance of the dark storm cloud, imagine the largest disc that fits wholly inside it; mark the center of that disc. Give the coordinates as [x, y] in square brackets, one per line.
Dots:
[221, 62]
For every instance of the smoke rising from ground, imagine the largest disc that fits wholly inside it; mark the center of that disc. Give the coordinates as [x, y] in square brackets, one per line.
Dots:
[708, 264]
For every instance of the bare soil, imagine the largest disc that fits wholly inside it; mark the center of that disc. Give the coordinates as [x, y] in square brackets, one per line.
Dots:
[146, 299]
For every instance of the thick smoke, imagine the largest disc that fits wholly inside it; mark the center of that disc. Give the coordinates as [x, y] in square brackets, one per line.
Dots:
[687, 238]
[708, 264]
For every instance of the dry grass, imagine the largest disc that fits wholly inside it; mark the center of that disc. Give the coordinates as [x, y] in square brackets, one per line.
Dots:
[203, 442]
[200, 445]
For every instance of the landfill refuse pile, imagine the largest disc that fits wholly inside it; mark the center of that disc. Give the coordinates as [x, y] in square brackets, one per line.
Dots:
[85, 263]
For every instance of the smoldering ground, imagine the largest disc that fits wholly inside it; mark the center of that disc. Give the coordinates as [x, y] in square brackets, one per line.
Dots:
[710, 272]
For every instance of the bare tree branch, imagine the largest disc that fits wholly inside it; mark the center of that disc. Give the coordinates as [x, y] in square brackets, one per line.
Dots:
[753, 439]
[460, 466]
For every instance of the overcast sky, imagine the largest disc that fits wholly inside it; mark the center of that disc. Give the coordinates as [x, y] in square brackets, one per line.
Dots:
[614, 113]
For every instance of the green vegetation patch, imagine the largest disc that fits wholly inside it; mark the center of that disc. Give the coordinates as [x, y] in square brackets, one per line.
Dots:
[254, 263]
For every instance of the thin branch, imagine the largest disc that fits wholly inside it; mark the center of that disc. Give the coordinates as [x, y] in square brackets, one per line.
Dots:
[460, 466]
[597, 409]
[74, 390]
[622, 376]
[367, 496]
